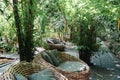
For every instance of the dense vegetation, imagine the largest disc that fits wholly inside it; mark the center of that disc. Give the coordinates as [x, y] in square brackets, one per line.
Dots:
[30, 22]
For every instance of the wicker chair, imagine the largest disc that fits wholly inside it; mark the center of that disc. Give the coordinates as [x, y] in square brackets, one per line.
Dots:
[56, 44]
[82, 75]
[25, 69]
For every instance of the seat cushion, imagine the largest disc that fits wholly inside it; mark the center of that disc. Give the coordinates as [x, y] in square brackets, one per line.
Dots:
[55, 57]
[50, 41]
[46, 57]
[72, 66]
[19, 77]
[45, 74]
[56, 41]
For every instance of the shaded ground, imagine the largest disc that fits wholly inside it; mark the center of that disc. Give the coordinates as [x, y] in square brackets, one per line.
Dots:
[107, 66]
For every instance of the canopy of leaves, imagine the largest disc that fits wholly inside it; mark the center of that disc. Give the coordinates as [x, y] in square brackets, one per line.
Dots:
[60, 16]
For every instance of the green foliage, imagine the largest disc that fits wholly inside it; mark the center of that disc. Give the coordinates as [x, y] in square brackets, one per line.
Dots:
[84, 15]
[7, 32]
[53, 18]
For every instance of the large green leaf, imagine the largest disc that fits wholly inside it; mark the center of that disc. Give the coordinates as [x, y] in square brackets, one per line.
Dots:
[1, 11]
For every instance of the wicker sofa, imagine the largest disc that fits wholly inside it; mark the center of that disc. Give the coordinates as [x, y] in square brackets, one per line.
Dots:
[25, 69]
[77, 75]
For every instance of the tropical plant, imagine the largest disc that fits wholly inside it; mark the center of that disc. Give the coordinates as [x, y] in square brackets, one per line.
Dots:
[24, 22]
[82, 20]
[7, 32]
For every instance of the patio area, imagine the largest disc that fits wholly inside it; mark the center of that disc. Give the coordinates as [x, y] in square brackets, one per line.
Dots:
[107, 66]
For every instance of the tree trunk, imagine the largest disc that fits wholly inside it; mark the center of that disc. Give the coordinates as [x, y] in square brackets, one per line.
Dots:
[71, 33]
[119, 24]
[84, 53]
[29, 32]
[85, 56]
[25, 30]
[18, 28]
